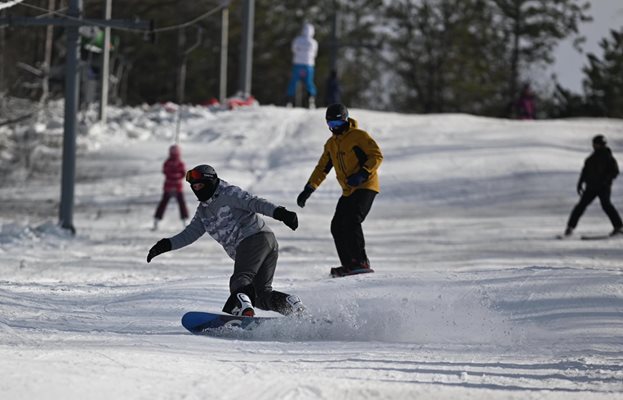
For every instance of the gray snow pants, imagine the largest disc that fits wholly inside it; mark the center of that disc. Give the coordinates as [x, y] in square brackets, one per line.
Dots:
[256, 260]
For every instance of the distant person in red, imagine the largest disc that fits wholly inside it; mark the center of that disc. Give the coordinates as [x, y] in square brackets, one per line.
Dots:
[174, 171]
[526, 108]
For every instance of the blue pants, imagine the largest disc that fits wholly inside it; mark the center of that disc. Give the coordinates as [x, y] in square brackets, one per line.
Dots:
[304, 73]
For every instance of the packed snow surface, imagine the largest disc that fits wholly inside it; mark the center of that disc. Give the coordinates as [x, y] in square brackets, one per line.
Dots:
[473, 296]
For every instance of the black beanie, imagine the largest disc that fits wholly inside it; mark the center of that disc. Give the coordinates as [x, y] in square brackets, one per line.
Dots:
[600, 140]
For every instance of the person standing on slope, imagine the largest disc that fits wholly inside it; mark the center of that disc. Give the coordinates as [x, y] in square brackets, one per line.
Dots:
[356, 158]
[173, 170]
[333, 91]
[230, 215]
[304, 49]
[526, 105]
[600, 169]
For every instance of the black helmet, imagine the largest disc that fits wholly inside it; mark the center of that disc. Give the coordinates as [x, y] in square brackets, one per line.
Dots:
[203, 174]
[599, 140]
[337, 111]
[337, 118]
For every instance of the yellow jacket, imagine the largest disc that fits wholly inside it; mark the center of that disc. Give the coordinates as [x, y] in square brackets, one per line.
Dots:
[348, 153]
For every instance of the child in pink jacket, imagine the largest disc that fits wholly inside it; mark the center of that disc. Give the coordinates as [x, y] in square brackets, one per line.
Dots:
[174, 171]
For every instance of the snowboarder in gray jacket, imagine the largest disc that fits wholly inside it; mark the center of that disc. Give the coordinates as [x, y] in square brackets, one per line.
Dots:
[230, 215]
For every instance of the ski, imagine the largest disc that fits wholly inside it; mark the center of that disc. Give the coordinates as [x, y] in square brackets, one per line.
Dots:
[600, 237]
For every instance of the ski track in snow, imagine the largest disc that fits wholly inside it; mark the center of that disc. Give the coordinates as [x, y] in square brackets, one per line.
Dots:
[473, 297]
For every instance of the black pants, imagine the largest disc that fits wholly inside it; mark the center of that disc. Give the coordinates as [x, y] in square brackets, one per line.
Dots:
[587, 198]
[346, 229]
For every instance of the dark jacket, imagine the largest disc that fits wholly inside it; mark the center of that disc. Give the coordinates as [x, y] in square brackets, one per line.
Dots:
[600, 169]
[334, 91]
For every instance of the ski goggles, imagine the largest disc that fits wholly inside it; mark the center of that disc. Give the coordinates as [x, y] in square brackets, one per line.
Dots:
[194, 176]
[336, 123]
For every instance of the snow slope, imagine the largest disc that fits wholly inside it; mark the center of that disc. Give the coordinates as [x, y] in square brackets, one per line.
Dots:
[473, 297]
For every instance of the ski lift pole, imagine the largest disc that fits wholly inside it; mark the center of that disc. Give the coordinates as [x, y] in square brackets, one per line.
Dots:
[182, 82]
[178, 124]
[246, 53]
[72, 21]
[72, 86]
[224, 50]
[103, 114]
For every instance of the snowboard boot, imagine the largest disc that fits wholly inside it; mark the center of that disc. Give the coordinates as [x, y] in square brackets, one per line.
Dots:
[244, 308]
[617, 232]
[239, 302]
[286, 304]
[356, 267]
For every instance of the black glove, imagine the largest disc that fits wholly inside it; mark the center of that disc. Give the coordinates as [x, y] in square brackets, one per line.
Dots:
[307, 191]
[287, 217]
[162, 246]
[580, 189]
[358, 178]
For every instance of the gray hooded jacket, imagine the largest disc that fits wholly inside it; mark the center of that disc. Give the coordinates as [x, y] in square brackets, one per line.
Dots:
[229, 216]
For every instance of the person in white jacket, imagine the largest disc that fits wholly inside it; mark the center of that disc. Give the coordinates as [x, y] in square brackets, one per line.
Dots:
[304, 49]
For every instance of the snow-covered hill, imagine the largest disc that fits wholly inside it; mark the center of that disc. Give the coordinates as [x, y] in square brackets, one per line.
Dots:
[473, 297]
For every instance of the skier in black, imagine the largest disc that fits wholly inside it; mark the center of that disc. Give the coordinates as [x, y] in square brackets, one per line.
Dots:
[334, 91]
[600, 169]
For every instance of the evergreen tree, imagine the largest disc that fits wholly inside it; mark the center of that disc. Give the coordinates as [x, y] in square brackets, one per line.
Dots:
[448, 56]
[564, 104]
[603, 83]
[360, 61]
[532, 29]
[154, 64]
[476, 66]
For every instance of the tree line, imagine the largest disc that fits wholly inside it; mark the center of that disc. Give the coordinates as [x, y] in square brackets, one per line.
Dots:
[414, 56]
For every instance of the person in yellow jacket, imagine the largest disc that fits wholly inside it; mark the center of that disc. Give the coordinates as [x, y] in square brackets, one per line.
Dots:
[356, 158]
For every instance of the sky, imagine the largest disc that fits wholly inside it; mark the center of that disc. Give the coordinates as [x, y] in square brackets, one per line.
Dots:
[607, 15]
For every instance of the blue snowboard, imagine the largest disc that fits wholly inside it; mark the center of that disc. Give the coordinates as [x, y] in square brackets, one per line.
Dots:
[209, 323]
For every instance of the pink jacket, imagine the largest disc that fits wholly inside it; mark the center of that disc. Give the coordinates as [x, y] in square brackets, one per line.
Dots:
[174, 171]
